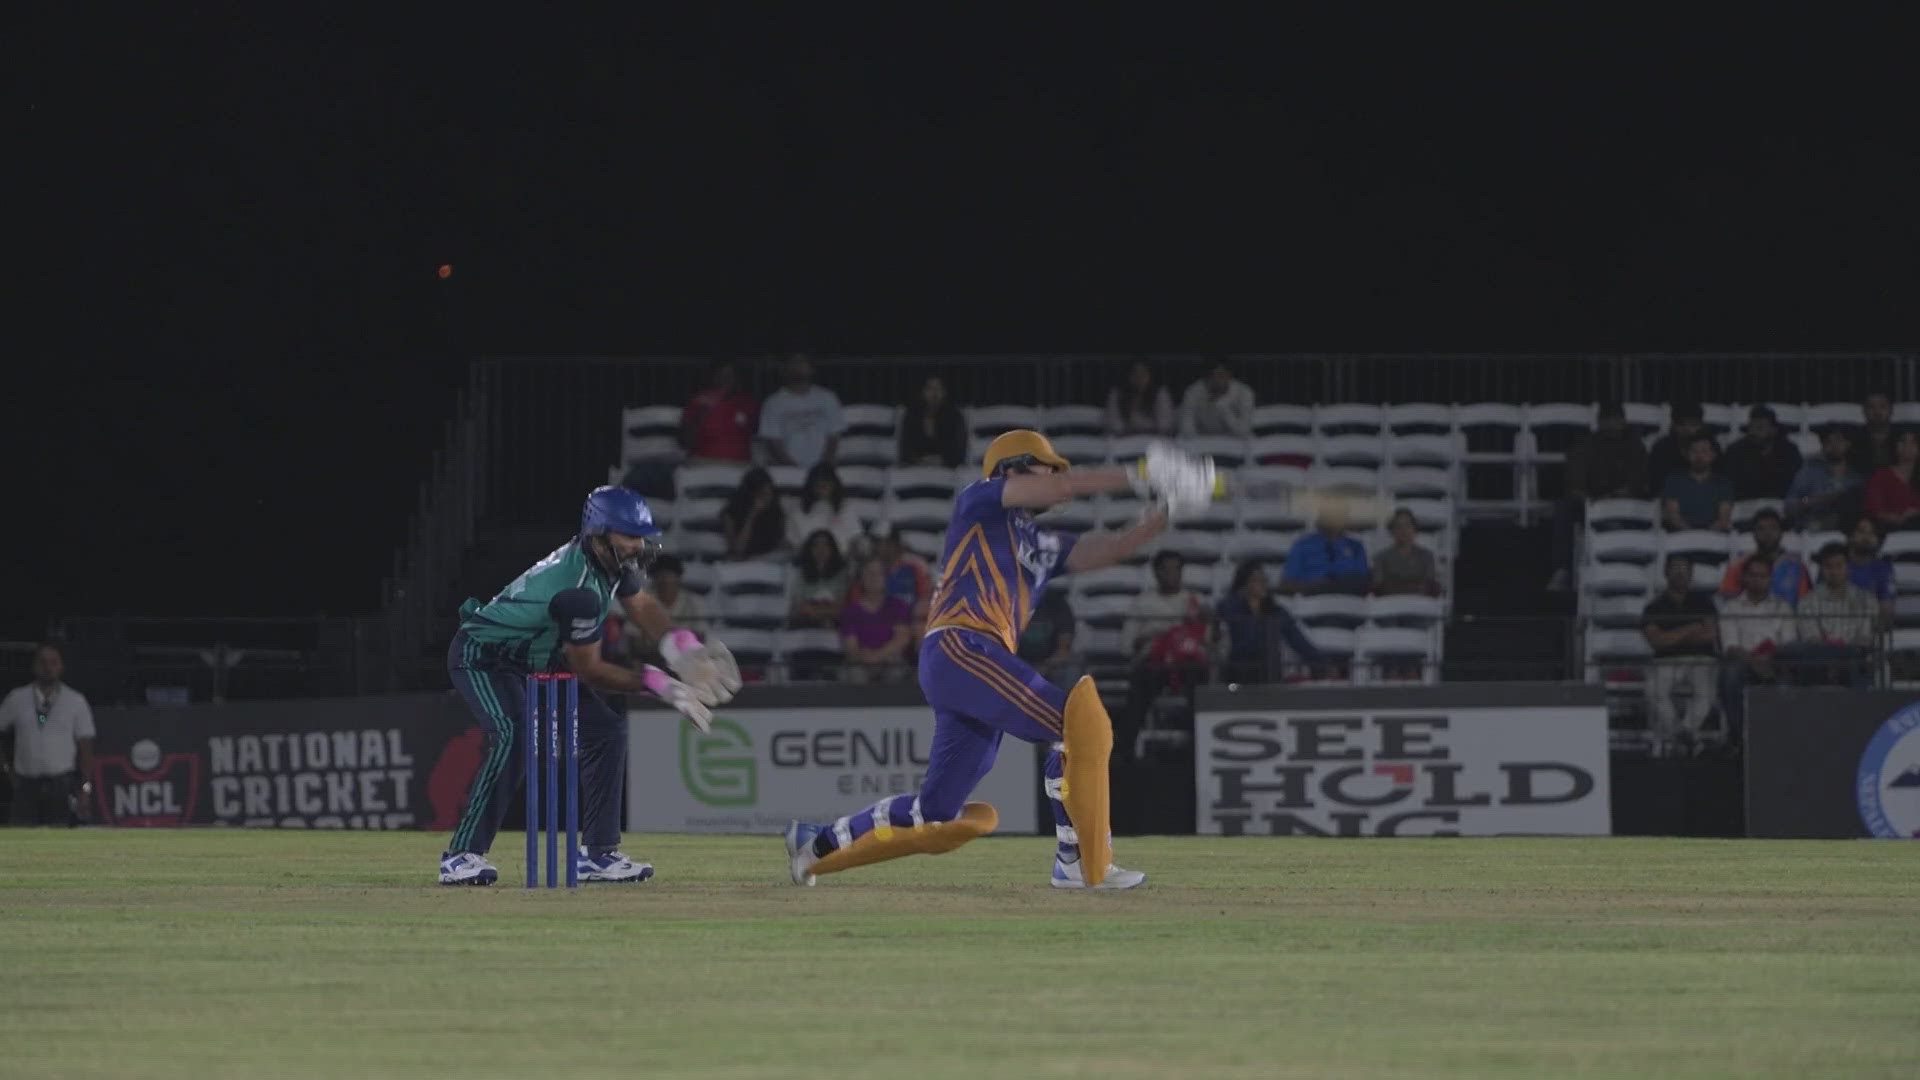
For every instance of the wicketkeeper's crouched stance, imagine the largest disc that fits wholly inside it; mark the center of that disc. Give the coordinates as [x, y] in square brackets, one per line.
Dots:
[551, 619]
[995, 568]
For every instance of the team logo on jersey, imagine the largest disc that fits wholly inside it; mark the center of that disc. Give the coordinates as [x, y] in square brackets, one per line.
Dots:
[1888, 783]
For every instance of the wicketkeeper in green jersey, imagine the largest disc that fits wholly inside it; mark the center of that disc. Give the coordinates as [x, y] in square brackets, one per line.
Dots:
[551, 619]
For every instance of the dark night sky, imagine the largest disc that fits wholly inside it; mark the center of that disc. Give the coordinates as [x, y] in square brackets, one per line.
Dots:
[241, 357]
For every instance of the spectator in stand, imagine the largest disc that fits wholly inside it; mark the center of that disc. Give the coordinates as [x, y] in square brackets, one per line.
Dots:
[1789, 577]
[932, 431]
[1680, 625]
[1826, 492]
[1697, 498]
[52, 728]
[1755, 624]
[817, 593]
[1264, 642]
[1168, 631]
[1404, 566]
[1763, 464]
[663, 583]
[1140, 405]
[874, 630]
[823, 505]
[1327, 559]
[907, 577]
[801, 423]
[1668, 454]
[752, 520]
[1217, 405]
[1610, 463]
[1873, 443]
[1836, 625]
[1891, 498]
[718, 424]
[1047, 642]
[1868, 570]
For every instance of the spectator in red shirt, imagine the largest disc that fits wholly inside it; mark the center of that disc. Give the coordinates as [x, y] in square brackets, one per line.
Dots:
[1891, 499]
[718, 424]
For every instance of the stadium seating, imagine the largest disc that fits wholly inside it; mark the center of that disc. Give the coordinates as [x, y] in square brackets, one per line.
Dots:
[650, 433]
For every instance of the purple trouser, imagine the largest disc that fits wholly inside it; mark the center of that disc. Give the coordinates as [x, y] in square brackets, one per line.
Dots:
[979, 691]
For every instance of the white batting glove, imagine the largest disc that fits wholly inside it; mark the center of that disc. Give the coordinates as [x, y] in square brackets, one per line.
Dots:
[679, 695]
[707, 667]
[1183, 481]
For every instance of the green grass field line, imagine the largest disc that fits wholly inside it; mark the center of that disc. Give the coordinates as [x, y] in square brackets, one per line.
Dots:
[259, 953]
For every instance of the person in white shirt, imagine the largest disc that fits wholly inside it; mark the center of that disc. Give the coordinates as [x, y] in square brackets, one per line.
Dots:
[823, 505]
[52, 729]
[800, 424]
[1754, 626]
[1217, 405]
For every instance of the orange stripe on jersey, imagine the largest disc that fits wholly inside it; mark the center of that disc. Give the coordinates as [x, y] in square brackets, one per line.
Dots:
[991, 610]
[1017, 694]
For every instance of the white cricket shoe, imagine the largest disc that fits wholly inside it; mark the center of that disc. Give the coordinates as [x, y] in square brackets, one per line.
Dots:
[800, 856]
[612, 866]
[466, 868]
[1067, 876]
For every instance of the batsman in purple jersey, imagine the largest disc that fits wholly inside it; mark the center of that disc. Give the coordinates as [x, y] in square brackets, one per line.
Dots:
[995, 568]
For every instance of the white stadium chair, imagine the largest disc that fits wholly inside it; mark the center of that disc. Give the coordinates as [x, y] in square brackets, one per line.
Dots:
[1273, 517]
[697, 577]
[1129, 448]
[1811, 543]
[1626, 545]
[1620, 611]
[1835, 412]
[1610, 514]
[1744, 510]
[1345, 480]
[862, 481]
[1081, 449]
[1285, 449]
[1106, 581]
[1423, 449]
[788, 479]
[1366, 451]
[733, 578]
[878, 420]
[1791, 417]
[1103, 610]
[1266, 481]
[650, 433]
[1906, 412]
[1644, 417]
[1417, 481]
[929, 514]
[1552, 427]
[1328, 609]
[1119, 510]
[1901, 546]
[1192, 545]
[1419, 418]
[758, 610]
[690, 545]
[1332, 640]
[1202, 578]
[1409, 611]
[1616, 647]
[1348, 418]
[927, 544]
[707, 481]
[1617, 579]
[875, 450]
[811, 646]
[1266, 547]
[1722, 420]
[991, 421]
[870, 513]
[1380, 652]
[1060, 420]
[1221, 515]
[1282, 419]
[1227, 451]
[698, 515]
[1100, 647]
[921, 482]
[1074, 516]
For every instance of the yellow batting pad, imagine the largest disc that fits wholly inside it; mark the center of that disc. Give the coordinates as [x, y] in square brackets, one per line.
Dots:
[1088, 742]
[933, 838]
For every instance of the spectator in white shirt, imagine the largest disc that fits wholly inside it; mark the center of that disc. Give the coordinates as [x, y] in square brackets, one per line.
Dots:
[823, 506]
[800, 424]
[1217, 405]
[52, 729]
[1754, 626]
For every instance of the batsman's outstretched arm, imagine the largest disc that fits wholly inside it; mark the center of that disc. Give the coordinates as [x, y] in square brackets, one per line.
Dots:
[1053, 488]
[1105, 549]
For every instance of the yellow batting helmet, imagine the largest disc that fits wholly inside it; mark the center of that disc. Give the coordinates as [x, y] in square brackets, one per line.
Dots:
[1018, 444]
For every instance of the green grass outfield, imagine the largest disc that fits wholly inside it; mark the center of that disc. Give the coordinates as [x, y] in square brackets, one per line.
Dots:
[270, 954]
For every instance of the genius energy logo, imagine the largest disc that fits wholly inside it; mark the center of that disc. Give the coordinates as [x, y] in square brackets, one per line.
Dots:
[717, 766]
[1888, 783]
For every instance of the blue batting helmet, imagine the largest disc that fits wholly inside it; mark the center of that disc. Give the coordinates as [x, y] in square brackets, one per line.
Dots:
[616, 510]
